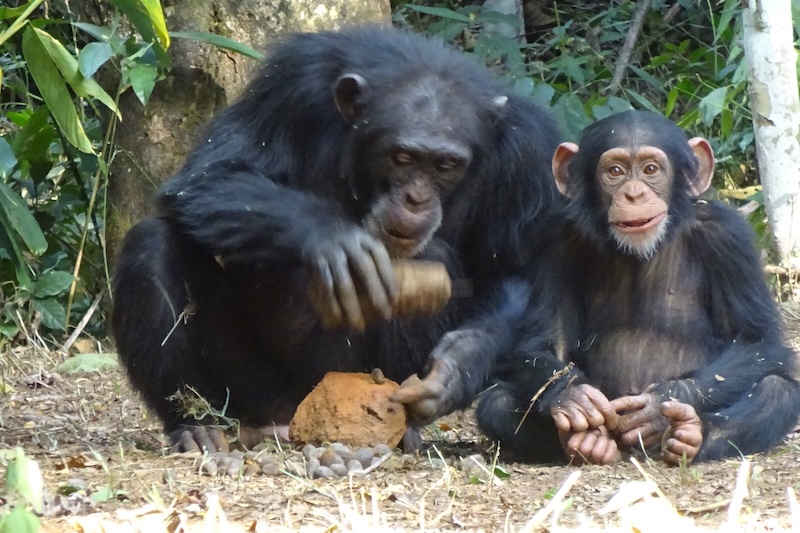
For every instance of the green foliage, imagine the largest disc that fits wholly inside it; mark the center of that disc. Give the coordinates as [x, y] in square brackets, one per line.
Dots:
[24, 490]
[687, 65]
[689, 68]
[55, 150]
[54, 156]
[88, 362]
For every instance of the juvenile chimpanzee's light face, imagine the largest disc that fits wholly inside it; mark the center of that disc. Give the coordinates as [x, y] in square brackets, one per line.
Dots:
[635, 184]
[633, 179]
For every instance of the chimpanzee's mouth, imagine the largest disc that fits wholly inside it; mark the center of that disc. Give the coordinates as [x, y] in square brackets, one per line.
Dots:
[400, 237]
[639, 225]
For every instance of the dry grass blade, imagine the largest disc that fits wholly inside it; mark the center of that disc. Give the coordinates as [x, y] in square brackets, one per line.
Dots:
[794, 509]
[554, 505]
[740, 492]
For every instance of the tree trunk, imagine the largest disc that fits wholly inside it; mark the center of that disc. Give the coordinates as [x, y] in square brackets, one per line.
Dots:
[153, 141]
[774, 102]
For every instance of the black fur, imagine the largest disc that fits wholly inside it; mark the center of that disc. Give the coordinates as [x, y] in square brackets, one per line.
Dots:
[275, 171]
[696, 319]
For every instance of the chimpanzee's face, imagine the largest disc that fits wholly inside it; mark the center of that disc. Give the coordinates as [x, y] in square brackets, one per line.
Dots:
[414, 148]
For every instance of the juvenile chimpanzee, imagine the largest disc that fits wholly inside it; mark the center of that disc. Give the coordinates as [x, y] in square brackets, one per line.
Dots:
[659, 302]
[347, 150]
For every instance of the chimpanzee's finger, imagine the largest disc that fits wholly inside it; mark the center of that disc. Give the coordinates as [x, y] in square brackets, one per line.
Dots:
[328, 306]
[345, 290]
[201, 437]
[562, 421]
[184, 443]
[675, 451]
[414, 389]
[383, 265]
[646, 435]
[602, 406]
[364, 265]
[612, 455]
[218, 439]
[629, 403]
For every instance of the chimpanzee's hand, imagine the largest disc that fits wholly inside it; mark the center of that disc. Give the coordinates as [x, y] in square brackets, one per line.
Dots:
[578, 409]
[640, 418]
[442, 389]
[685, 434]
[198, 439]
[595, 446]
[351, 276]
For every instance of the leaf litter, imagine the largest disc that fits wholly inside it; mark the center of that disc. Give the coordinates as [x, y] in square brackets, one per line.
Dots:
[105, 470]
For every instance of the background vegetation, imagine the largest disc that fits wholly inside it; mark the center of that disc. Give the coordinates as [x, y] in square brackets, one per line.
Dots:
[57, 122]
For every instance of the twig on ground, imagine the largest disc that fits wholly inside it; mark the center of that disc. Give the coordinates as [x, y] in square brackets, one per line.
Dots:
[82, 324]
[648, 477]
[708, 507]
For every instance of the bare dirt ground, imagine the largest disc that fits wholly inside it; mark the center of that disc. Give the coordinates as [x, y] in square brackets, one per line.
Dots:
[104, 470]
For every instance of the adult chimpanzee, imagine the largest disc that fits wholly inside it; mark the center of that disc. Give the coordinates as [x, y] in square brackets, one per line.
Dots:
[346, 150]
[658, 301]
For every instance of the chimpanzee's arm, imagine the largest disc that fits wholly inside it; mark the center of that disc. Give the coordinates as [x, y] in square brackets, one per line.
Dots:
[746, 397]
[235, 211]
[744, 317]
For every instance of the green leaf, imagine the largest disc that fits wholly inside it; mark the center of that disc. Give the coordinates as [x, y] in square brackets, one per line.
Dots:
[92, 57]
[500, 472]
[53, 314]
[68, 66]
[103, 494]
[102, 34]
[88, 362]
[9, 244]
[440, 12]
[7, 159]
[672, 97]
[52, 283]
[25, 478]
[712, 104]
[543, 94]
[138, 16]
[642, 101]
[218, 40]
[13, 12]
[648, 78]
[153, 8]
[21, 220]
[53, 89]
[143, 79]
[20, 520]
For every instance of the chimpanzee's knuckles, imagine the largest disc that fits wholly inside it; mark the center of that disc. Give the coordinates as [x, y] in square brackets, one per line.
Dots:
[423, 412]
[577, 419]
[184, 442]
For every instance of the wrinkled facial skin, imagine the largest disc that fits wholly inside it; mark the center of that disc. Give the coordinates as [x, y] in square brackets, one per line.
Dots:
[413, 152]
[635, 187]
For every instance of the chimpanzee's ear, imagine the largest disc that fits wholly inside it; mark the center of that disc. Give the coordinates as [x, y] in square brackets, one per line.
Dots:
[561, 159]
[705, 166]
[349, 95]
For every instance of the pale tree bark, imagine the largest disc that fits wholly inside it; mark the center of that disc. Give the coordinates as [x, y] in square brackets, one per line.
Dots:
[153, 141]
[772, 60]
